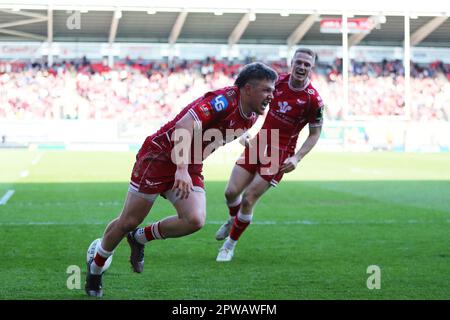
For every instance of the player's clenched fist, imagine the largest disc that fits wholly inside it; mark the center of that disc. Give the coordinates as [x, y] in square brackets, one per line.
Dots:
[289, 164]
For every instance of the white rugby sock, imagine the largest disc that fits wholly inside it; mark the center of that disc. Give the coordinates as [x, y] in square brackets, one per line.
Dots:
[149, 233]
[99, 259]
[95, 269]
[235, 202]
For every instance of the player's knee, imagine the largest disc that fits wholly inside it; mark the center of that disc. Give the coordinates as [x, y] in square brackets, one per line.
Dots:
[128, 224]
[231, 193]
[196, 221]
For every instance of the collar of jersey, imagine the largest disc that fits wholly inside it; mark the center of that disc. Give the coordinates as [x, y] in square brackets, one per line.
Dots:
[299, 89]
[242, 112]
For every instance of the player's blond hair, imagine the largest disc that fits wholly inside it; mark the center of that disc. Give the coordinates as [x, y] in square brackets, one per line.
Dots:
[307, 51]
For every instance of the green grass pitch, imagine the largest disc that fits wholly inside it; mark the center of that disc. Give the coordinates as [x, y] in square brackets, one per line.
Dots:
[313, 236]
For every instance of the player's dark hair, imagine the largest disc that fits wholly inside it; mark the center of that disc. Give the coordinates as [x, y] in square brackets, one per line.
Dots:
[255, 71]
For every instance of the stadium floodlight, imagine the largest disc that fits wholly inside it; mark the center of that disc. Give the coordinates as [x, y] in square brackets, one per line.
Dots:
[382, 19]
[218, 12]
[252, 16]
[413, 16]
[284, 14]
[151, 11]
[15, 8]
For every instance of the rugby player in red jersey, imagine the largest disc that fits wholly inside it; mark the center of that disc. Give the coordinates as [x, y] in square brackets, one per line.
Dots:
[169, 164]
[296, 103]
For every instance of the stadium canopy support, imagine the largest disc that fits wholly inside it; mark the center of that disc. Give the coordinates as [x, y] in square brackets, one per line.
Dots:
[427, 29]
[239, 30]
[177, 26]
[35, 18]
[175, 32]
[112, 35]
[358, 37]
[297, 35]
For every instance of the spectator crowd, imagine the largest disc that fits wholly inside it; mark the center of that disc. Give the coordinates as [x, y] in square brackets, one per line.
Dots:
[157, 90]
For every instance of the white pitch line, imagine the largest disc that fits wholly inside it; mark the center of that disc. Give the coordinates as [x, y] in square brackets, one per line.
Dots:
[24, 174]
[6, 197]
[50, 223]
[289, 222]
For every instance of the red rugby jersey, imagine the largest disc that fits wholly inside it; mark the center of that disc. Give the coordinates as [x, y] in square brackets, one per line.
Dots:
[221, 118]
[290, 110]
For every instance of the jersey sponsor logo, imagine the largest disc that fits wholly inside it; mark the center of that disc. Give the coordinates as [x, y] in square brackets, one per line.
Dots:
[231, 93]
[232, 123]
[219, 103]
[300, 102]
[151, 183]
[284, 106]
[311, 91]
[205, 110]
[284, 118]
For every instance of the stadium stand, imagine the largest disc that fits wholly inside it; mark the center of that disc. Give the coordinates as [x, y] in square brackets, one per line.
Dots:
[128, 68]
[80, 89]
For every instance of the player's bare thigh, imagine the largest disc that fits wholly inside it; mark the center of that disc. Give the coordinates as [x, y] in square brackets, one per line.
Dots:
[240, 179]
[136, 207]
[193, 209]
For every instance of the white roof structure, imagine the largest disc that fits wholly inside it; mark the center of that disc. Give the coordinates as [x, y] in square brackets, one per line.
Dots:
[282, 22]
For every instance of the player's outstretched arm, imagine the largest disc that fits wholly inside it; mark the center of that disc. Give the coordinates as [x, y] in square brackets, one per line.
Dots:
[291, 163]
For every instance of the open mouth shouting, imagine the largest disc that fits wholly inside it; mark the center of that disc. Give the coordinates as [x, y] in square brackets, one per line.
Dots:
[300, 73]
[265, 103]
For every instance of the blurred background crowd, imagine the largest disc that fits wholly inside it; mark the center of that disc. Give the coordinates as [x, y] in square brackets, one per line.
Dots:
[137, 89]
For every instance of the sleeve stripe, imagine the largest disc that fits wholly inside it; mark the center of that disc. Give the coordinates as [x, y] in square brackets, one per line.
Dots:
[192, 112]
